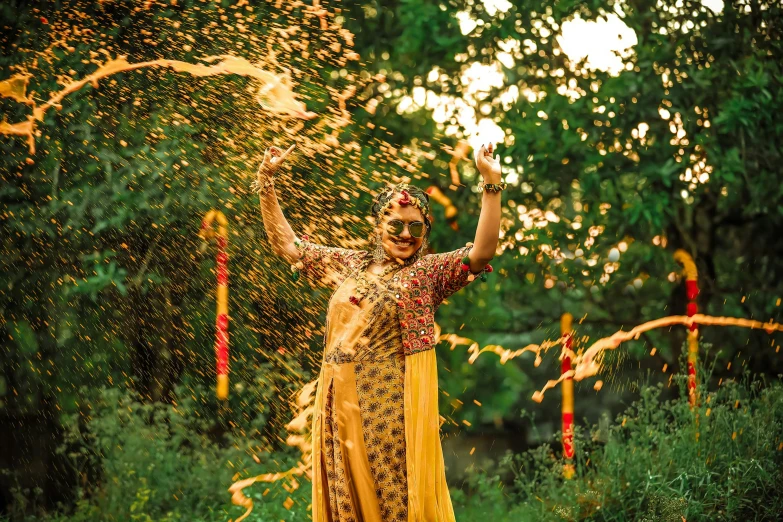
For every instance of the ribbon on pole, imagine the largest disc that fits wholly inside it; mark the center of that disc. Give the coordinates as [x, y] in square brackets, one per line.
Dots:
[221, 320]
[567, 387]
[692, 292]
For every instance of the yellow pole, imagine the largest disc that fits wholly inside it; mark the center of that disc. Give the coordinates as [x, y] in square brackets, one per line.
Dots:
[566, 322]
[692, 291]
[221, 320]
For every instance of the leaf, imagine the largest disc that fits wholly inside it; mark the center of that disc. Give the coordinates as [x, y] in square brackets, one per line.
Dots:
[24, 337]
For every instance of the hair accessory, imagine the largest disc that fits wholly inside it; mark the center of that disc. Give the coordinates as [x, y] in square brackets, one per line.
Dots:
[410, 196]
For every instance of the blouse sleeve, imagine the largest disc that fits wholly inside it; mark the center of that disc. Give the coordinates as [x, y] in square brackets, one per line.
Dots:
[323, 265]
[448, 273]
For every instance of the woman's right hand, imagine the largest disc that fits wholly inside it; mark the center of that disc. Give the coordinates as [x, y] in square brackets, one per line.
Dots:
[273, 158]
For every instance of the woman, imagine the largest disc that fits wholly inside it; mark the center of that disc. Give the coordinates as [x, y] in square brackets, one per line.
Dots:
[376, 447]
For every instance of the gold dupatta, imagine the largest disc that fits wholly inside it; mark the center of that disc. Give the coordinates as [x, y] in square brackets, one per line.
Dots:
[320, 502]
[428, 493]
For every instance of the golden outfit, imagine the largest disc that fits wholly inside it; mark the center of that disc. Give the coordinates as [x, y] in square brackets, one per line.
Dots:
[377, 455]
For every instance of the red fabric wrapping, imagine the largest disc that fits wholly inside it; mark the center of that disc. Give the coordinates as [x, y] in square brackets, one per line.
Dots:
[568, 435]
[692, 289]
[221, 344]
[222, 275]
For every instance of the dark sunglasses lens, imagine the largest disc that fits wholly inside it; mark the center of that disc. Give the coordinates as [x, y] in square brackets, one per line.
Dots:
[416, 228]
[395, 227]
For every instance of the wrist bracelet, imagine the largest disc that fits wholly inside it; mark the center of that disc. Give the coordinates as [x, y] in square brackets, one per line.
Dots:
[492, 187]
[262, 187]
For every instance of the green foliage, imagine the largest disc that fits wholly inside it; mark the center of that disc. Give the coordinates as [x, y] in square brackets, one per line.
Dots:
[157, 462]
[573, 149]
[661, 461]
[103, 282]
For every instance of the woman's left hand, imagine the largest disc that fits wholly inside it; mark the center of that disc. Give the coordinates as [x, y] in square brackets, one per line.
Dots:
[488, 167]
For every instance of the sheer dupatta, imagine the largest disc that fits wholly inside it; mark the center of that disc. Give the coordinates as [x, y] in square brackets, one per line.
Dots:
[320, 493]
[426, 471]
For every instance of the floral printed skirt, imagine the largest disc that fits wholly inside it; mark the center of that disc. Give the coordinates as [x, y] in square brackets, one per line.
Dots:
[363, 440]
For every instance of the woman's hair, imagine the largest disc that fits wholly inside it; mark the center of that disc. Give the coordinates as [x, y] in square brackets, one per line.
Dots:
[383, 200]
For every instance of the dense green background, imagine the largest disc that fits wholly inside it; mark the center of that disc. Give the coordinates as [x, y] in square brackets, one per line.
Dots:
[107, 299]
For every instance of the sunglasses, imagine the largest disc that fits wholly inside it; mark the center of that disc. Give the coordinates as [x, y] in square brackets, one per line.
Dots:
[395, 227]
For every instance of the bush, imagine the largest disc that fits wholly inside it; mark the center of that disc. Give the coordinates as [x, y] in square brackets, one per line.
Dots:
[660, 462]
[147, 462]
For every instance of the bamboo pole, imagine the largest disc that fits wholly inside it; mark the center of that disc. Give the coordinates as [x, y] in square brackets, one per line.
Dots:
[567, 387]
[692, 291]
[221, 319]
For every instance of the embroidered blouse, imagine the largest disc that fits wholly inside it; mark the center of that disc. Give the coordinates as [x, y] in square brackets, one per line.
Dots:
[419, 288]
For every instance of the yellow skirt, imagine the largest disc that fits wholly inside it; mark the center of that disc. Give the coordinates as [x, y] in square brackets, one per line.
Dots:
[364, 469]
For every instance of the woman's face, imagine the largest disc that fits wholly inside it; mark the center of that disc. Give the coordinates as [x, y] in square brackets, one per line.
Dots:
[403, 245]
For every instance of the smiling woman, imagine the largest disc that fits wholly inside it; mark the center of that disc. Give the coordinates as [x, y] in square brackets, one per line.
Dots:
[376, 453]
[400, 225]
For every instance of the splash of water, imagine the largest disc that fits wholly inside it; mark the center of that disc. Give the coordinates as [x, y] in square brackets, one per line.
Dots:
[16, 88]
[505, 354]
[274, 94]
[299, 438]
[589, 364]
[331, 139]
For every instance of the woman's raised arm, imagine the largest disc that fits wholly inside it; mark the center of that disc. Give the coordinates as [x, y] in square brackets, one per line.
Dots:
[281, 235]
[487, 231]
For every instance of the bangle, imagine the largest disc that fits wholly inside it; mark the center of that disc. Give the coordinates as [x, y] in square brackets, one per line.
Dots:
[491, 187]
[262, 187]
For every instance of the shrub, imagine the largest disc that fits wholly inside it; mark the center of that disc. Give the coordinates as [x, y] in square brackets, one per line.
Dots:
[147, 462]
[661, 461]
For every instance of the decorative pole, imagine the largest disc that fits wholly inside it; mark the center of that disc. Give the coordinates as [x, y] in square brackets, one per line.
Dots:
[692, 291]
[451, 211]
[221, 321]
[568, 396]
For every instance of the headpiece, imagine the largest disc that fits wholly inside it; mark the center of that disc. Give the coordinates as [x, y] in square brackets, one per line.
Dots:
[409, 195]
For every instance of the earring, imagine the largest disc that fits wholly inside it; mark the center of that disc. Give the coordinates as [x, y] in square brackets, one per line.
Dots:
[379, 254]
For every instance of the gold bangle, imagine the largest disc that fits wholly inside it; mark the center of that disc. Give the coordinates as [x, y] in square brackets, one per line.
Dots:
[491, 187]
[262, 187]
